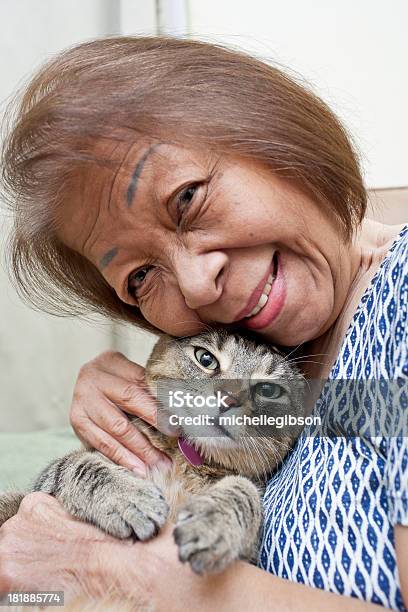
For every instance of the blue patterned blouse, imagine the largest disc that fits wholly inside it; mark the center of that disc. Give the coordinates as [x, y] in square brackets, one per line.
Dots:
[331, 508]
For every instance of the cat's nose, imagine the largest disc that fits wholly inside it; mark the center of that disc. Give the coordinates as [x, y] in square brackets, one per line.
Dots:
[228, 401]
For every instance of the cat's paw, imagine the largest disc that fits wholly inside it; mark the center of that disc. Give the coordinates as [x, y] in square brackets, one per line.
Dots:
[205, 536]
[131, 507]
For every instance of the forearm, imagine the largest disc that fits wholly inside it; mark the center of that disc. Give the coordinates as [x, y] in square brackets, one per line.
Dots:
[246, 587]
[171, 586]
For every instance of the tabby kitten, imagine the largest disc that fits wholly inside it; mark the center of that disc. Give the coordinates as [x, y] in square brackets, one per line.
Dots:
[213, 491]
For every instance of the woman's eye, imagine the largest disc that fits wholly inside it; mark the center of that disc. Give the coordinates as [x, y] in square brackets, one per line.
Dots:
[206, 359]
[184, 199]
[136, 279]
[268, 390]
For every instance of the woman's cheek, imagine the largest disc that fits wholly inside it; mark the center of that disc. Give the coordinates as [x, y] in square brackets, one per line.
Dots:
[172, 316]
[308, 306]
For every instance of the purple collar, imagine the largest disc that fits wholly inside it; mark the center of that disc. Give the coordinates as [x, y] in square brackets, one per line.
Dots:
[189, 452]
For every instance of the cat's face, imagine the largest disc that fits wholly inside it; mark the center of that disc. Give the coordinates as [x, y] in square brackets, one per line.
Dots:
[247, 378]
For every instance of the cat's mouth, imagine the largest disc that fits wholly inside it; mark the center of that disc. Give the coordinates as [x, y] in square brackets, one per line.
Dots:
[215, 431]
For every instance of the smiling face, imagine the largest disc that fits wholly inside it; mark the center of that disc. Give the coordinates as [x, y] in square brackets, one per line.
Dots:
[193, 238]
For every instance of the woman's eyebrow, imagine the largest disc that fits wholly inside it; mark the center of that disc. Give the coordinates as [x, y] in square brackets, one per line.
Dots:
[137, 172]
[107, 257]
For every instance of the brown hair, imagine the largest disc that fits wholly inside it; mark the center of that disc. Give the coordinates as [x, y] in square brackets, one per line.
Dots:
[184, 91]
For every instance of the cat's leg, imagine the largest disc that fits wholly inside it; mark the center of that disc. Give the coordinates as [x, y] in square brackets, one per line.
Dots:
[9, 505]
[220, 526]
[94, 489]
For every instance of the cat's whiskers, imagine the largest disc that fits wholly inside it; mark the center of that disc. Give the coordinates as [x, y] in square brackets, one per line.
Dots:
[262, 456]
[312, 361]
[301, 357]
[271, 449]
[293, 350]
[249, 455]
[273, 444]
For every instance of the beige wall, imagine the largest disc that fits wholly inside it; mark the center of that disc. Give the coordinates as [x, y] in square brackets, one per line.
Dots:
[353, 53]
[389, 205]
[40, 356]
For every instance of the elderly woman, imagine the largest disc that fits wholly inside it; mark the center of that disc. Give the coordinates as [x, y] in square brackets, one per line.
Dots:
[160, 181]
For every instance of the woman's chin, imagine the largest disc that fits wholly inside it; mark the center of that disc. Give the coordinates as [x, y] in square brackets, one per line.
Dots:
[296, 330]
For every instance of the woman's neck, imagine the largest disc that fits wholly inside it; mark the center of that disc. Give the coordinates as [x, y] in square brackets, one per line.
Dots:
[369, 247]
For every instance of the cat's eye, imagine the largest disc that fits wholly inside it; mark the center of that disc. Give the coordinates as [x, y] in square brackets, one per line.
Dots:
[268, 390]
[205, 358]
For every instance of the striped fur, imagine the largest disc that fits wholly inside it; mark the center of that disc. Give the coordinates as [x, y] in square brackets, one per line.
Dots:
[217, 505]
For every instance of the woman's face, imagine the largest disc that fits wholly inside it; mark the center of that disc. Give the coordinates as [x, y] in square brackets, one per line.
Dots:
[193, 238]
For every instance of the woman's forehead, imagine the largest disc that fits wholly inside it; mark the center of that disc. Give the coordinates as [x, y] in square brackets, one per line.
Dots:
[135, 163]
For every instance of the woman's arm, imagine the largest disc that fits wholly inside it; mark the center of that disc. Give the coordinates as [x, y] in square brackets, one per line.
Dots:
[172, 587]
[42, 547]
[401, 546]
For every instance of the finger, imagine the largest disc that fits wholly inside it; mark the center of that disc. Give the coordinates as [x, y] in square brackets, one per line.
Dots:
[126, 394]
[115, 423]
[117, 364]
[40, 505]
[135, 400]
[114, 436]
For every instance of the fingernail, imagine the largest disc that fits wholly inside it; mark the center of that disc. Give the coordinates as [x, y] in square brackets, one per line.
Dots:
[138, 467]
[139, 472]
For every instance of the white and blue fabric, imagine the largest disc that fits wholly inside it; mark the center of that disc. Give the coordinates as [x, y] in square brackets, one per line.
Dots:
[331, 509]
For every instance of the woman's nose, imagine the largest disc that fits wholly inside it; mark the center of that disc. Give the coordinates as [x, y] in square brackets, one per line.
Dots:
[199, 276]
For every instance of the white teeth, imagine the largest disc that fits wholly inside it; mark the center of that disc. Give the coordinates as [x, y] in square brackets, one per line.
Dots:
[263, 298]
[254, 312]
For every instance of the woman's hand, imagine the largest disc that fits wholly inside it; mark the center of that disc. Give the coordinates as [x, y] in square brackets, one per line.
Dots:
[104, 385]
[43, 548]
